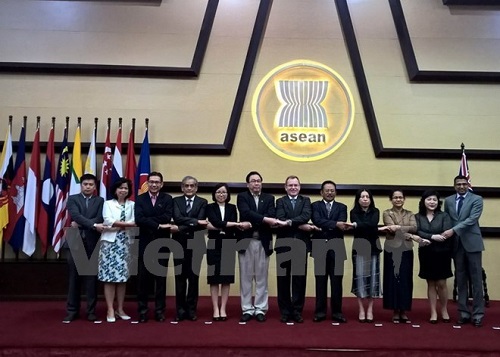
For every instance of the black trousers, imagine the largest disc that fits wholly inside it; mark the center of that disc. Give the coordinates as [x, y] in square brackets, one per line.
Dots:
[335, 286]
[291, 287]
[146, 282]
[186, 285]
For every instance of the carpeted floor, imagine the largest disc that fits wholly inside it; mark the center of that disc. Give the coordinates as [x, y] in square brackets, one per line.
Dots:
[36, 328]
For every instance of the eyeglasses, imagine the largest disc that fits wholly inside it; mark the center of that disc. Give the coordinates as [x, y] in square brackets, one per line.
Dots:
[154, 182]
[221, 192]
[255, 181]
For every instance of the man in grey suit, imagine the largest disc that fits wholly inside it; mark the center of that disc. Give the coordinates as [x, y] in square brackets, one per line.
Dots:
[465, 208]
[85, 210]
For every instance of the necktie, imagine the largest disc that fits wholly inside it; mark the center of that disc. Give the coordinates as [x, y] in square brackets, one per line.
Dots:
[153, 200]
[188, 206]
[87, 199]
[328, 207]
[294, 202]
[256, 199]
[460, 203]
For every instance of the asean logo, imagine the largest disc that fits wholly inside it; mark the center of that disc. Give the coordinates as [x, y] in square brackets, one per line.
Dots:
[303, 110]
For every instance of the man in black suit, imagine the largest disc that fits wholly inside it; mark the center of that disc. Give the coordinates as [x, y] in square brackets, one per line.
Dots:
[292, 245]
[85, 210]
[153, 213]
[189, 216]
[329, 251]
[258, 209]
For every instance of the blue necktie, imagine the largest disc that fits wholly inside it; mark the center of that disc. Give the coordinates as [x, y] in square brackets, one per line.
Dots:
[294, 202]
[460, 203]
[328, 208]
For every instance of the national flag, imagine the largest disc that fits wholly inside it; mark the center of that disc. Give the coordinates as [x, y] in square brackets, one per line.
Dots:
[144, 166]
[48, 199]
[106, 169]
[131, 166]
[32, 203]
[117, 170]
[5, 178]
[62, 187]
[15, 230]
[464, 168]
[76, 164]
[91, 162]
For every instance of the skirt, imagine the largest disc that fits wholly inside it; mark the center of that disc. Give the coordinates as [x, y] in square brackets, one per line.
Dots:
[366, 275]
[114, 260]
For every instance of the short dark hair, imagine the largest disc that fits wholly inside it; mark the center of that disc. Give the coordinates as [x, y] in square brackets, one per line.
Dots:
[85, 177]
[156, 173]
[460, 177]
[118, 183]
[216, 187]
[421, 204]
[391, 194]
[328, 182]
[251, 173]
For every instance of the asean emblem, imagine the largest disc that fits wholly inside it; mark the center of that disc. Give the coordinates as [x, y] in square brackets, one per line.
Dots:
[303, 110]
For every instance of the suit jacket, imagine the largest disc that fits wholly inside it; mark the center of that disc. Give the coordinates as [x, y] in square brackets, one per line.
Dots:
[299, 215]
[149, 217]
[366, 231]
[466, 225]
[188, 222]
[86, 216]
[215, 218]
[328, 225]
[249, 212]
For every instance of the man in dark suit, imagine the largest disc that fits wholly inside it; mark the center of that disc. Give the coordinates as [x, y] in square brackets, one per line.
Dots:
[465, 209]
[258, 209]
[153, 213]
[85, 210]
[329, 251]
[292, 245]
[189, 216]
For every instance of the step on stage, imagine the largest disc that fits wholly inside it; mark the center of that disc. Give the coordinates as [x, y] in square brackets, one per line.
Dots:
[35, 328]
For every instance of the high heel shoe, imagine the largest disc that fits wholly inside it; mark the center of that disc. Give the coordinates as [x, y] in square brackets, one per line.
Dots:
[122, 316]
[223, 318]
[446, 321]
[216, 318]
[433, 321]
[110, 318]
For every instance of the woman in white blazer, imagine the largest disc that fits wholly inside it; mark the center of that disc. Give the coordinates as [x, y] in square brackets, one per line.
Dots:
[114, 254]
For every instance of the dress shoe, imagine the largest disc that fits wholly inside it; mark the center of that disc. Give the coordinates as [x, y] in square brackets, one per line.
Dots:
[319, 318]
[260, 317]
[223, 318]
[179, 318]
[404, 319]
[463, 320]
[122, 316]
[71, 317]
[477, 322]
[192, 317]
[446, 321]
[91, 317]
[339, 318]
[245, 318]
[111, 318]
[284, 319]
[362, 321]
[143, 318]
[298, 318]
[369, 321]
[160, 317]
[216, 318]
[433, 321]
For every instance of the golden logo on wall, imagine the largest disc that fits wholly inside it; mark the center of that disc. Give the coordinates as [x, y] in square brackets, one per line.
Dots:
[303, 110]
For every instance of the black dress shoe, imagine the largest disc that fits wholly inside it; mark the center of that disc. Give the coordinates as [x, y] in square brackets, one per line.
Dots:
[71, 317]
[284, 319]
[463, 320]
[179, 318]
[245, 318]
[319, 318]
[91, 317]
[339, 318]
[433, 321]
[223, 318]
[446, 321]
[143, 318]
[192, 317]
[160, 317]
[298, 318]
[477, 322]
[260, 318]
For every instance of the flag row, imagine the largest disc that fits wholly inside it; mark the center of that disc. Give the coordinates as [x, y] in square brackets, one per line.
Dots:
[33, 203]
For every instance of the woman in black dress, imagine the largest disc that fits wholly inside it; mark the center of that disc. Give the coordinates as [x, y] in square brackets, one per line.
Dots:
[365, 253]
[223, 224]
[434, 252]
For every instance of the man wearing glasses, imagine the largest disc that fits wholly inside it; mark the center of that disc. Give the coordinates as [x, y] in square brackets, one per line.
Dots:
[257, 208]
[153, 213]
[189, 216]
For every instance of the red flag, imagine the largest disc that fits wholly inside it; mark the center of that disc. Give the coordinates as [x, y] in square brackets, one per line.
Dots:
[106, 169]
[48, 202]
[62, 188]
[131, 165]
[464, 168]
